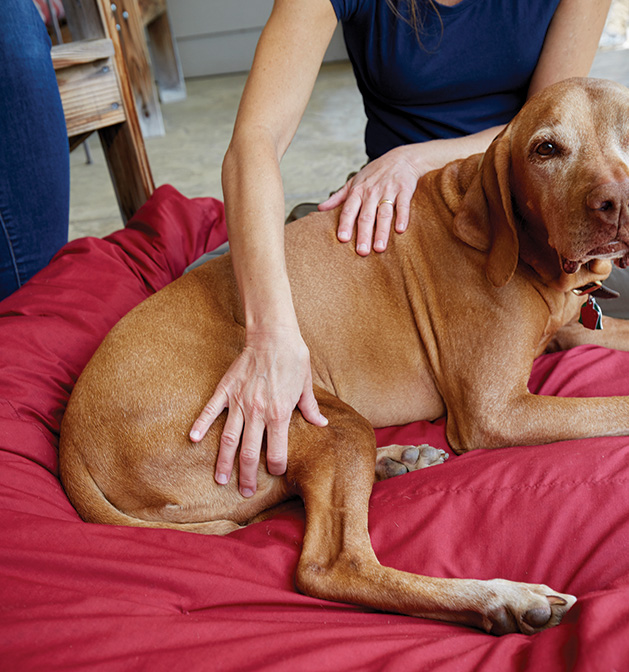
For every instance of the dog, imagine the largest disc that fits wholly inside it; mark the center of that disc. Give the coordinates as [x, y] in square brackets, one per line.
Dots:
[447, 321]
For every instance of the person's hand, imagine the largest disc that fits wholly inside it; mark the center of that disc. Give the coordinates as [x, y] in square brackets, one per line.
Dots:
[380, 194]
[261, 389]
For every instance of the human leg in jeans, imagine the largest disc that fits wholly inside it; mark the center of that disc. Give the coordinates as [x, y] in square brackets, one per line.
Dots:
[34, 157]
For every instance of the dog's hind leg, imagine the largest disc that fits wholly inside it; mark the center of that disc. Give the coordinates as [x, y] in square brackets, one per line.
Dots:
[332, 468]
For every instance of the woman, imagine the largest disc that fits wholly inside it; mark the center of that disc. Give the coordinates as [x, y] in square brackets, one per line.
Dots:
[462, 51]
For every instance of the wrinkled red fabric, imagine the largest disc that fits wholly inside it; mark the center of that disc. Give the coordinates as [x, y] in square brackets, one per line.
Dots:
[76, 596]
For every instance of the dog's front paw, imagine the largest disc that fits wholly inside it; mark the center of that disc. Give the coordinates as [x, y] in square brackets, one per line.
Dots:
[397, 460]
[523, 607]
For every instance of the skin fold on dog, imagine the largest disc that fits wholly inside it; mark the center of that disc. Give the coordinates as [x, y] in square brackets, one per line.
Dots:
[447, 321]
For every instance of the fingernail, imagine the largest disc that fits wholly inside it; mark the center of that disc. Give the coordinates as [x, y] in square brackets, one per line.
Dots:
[362, 248]
[221, 478]
[378, 246]
[246, 492]
[344, 236]
[195, 434]
[323, 419]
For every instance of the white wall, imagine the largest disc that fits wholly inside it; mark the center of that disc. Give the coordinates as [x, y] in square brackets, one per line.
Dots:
[219, 36]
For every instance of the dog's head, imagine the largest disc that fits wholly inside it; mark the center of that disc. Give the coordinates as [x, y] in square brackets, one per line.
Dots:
[553, 188]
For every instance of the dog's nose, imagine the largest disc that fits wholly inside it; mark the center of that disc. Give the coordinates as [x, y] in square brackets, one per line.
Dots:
[609, 203]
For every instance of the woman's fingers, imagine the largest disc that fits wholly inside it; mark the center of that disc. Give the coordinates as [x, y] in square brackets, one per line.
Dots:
[263, 386]
[384, 218]
[375, 200]
[349, 213]
[214, 407]
[276, 440]
[403, 210]
[309, 406]
[230, 440]
[250, 454]
[372, 219]
[365, 225]
[336, 198]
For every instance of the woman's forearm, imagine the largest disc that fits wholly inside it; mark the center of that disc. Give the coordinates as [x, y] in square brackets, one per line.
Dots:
[254, 203]
[437, 153]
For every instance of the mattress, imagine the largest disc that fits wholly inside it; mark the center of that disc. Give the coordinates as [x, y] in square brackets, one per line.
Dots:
[78, 596]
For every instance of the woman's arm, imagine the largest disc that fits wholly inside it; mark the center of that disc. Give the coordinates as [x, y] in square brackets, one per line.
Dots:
[272, 375]
[568, 51]
[571, 42]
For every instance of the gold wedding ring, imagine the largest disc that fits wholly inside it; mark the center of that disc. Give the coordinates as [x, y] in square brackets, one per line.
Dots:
[386, 200]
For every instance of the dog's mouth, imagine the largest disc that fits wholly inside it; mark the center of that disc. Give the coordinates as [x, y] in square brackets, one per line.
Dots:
[616, 249]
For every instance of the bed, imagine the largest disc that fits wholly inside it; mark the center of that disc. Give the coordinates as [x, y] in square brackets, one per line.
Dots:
[77, 596]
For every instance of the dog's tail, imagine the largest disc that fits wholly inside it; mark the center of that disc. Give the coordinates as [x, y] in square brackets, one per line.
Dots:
[94, 507]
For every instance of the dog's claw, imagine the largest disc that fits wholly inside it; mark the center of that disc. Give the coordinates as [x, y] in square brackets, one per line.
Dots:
[557, 601]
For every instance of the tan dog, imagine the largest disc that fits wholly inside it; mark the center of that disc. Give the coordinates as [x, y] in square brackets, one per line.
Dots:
[447, 320]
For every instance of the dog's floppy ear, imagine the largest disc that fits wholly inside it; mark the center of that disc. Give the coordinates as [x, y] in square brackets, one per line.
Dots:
[485, 220]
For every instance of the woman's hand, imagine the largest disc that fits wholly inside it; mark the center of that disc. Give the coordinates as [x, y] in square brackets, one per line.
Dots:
[261, 389]
[379, 195]
[382, 191]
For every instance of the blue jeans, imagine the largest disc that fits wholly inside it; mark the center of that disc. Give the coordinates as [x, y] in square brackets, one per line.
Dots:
[34, 156]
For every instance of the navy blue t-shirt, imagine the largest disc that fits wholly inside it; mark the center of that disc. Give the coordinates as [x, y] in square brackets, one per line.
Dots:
[472, 75]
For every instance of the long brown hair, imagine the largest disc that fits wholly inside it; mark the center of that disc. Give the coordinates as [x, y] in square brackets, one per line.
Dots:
[416, 16]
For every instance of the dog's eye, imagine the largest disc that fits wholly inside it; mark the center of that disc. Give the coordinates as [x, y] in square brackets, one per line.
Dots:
[546, 149]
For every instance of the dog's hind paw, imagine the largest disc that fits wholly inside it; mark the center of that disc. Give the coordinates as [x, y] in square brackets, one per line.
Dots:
[397, 460]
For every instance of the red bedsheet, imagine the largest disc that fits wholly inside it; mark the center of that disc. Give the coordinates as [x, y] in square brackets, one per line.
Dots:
[91, 597]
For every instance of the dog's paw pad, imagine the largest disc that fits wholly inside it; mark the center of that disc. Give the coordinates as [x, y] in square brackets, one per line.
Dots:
[419, 457]
[388, 468]
[397, 460]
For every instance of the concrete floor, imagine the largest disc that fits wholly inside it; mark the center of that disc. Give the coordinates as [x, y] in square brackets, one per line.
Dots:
[328, 144]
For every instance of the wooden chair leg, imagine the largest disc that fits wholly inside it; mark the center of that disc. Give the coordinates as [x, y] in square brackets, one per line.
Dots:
[165, 59]
[124, 144]
[128, 167]
[129, 24]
